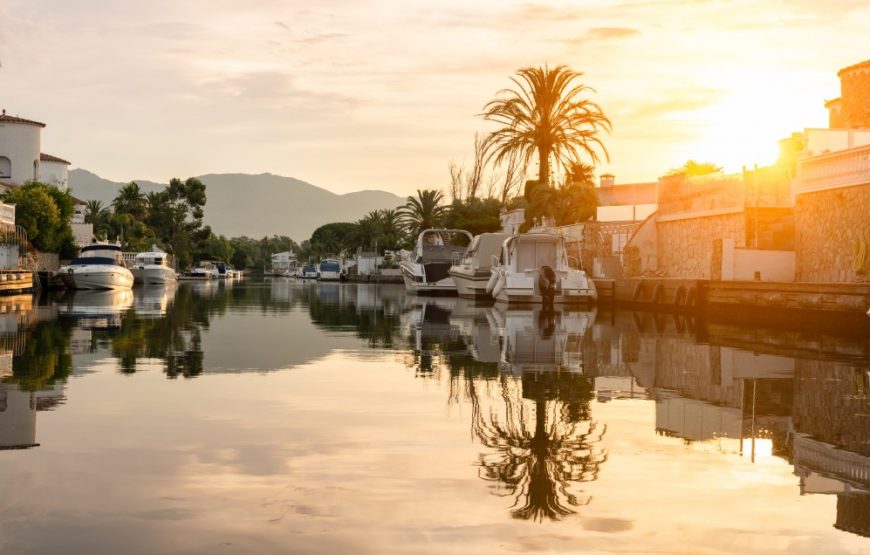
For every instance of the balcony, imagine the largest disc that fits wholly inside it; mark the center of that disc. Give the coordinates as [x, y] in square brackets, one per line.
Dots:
[843, 168]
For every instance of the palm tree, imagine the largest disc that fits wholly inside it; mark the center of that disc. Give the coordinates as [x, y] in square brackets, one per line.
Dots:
[130, 200]
[547, 115]
[423, 211]
[391, 228]
[98, 217]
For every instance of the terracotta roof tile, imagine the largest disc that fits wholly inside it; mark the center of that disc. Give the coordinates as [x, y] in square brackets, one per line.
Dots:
[5, 118]
[43, 157]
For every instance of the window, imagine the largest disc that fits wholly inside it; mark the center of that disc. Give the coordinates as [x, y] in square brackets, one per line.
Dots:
[5, 167]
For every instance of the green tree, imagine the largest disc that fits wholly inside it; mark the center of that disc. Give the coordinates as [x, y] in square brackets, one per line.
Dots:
[423, 211]
[44, 211]
[576, 200]
[333, 239]
[546, 114]
[130, 200]
[98, 216]
[475, 215]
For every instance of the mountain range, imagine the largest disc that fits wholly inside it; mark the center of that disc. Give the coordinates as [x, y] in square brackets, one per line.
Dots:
[255, 205]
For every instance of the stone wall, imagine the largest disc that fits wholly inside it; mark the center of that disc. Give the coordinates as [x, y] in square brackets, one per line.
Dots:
[685, 247]
[854, 109]
[829, 227]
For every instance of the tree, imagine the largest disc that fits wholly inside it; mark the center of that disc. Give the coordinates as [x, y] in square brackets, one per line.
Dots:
[576, 200]
[693, 169]
[423, 211]
[475, 215]
[130, 200]
[546, 114]
[334, 238]
[44, 211]
[98, 216]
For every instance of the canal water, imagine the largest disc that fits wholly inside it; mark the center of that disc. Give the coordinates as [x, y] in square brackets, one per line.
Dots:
[295, 417]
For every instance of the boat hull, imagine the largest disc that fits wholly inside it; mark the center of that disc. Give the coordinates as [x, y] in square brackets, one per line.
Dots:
[469, 286]
[97, 277]
[524, 296]
[412, 275]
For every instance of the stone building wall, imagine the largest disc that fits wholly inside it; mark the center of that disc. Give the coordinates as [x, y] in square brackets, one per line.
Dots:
[831, 402]
[829, 227]
[685, 247]
[854, 106]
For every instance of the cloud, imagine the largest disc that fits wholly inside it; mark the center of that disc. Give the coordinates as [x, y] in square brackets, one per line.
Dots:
[611, 33]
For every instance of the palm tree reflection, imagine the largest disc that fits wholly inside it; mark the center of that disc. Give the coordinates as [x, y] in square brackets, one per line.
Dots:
[538, 452]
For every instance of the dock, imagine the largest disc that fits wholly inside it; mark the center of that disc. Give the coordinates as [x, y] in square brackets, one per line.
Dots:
[835, 300]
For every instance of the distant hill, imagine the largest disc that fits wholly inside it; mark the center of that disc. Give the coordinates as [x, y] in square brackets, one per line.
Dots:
[256, 205]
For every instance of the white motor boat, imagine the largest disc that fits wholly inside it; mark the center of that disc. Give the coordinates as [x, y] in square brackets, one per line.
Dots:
[99, 266]
[153, 268]
[329, 269]
[309, 271]
[534, 265]
[97, 309]
[474, 270]
[425, 269]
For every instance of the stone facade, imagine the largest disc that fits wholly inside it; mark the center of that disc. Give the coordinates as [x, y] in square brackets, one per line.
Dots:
[852, 109]
[685, 247]
[830, 227]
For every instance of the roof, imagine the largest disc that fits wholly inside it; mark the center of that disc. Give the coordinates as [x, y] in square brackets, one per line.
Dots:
[5, 118]
[43, 157]
[865, 63]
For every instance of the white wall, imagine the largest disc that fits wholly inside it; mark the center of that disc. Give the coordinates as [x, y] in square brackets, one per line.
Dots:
[8, 257]
[54, 173]
[82, 233]
[21, 144]
[741, 264]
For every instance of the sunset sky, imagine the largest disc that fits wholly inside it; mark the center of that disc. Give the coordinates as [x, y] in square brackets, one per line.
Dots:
[383, 94]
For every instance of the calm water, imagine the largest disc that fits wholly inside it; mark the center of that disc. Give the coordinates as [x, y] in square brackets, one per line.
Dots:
[289, 417]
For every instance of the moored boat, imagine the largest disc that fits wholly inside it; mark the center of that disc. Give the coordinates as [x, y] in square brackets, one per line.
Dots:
[99, 266]
[534, 266]
[309, 271]
[153, 268]
[472, 273]
[329, 269]
[425, 269]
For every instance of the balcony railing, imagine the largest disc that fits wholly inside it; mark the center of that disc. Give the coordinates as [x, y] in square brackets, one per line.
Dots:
[843, 168]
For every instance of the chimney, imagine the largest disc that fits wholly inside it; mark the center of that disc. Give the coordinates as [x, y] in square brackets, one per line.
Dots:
[607, 180]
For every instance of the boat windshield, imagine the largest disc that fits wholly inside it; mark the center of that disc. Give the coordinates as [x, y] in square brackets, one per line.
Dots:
[93, 260]
[330, 267]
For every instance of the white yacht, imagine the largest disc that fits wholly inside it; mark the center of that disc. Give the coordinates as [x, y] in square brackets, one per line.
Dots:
[520, 275]
[96, 309]
[153, 268]
[425, 269]
[309, 271]
[99, 266]
[329, 269]
[474, 270]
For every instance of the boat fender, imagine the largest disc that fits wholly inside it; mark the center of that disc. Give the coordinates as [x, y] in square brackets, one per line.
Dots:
[499, 285]
[493, 276]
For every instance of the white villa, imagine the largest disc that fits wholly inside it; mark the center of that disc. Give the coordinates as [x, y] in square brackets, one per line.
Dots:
[22, 160]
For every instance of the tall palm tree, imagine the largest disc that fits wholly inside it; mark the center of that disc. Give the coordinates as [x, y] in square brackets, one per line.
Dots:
[546, 114]
[130, 200]
[423, 211]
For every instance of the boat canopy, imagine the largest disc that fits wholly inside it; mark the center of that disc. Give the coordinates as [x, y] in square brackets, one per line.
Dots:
[535, 250]
[483, 247]
[442, 245]
[330, 266]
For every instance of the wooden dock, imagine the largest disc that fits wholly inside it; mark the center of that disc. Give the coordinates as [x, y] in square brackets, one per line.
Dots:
[15, 281]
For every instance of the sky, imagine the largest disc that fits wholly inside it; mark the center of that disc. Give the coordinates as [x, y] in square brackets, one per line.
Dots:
[384, 94]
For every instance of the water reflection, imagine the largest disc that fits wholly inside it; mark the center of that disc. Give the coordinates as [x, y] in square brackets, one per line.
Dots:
[534, 381]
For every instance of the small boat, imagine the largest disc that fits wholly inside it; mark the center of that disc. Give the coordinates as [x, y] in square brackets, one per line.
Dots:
[153, 268]
[197, 274]
[309, 271]
[535, 265]
[472, 273]
[99, 266]
[425, 269]
[329, 269]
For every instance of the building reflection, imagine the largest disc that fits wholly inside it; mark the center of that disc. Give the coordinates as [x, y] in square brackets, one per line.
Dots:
[34, 365]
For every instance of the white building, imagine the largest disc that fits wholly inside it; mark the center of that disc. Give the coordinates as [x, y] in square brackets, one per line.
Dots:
[21, 157]
[53, 171]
